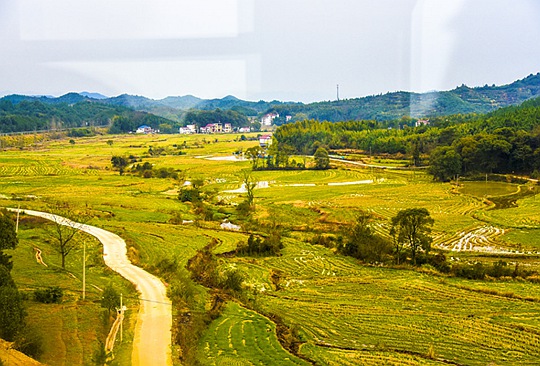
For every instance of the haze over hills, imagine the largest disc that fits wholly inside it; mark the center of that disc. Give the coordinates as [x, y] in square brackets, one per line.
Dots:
[382, 107]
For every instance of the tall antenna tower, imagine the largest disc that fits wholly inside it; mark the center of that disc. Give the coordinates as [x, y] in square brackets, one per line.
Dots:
[337, 87]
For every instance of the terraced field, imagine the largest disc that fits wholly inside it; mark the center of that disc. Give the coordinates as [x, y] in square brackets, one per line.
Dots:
[479, 239]
[341, 306]
[346, 313]
[243, 337]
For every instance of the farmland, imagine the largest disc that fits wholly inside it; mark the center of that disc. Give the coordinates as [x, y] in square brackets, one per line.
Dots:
[344, 313]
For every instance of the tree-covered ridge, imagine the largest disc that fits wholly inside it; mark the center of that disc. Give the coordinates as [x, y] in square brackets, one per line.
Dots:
[395, 105]
[382, 107]
[504, 141]
[19, 114]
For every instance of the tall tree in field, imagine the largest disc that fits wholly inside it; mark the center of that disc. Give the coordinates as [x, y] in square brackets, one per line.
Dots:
[322, 161]
[249, 183]
[8, 238]
[11, 309]
[254, 154]
[362, 243]
[66, 223]
[412, 227]
[444, 163]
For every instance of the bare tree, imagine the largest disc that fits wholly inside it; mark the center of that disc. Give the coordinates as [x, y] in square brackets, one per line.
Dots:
[66, 223]
[249, 183]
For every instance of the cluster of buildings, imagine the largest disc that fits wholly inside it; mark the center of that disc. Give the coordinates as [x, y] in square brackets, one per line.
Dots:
[146, 130]
[266, 122]
[211, 128]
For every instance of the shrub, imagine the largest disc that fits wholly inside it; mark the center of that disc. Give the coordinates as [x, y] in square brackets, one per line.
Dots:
[500, 269]
[231, 279]
[475, 271]
[50, 295]
[30, 343]
[189, 195]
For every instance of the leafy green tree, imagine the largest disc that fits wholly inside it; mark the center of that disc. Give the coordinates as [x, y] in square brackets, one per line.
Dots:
[414, 151]
[5, 277]
[8, 238]
[110, 299]
[120, 163]
[190, 194]
[254, 154]
[444, 163]
[250, 183]
[11, 312]
[412, 227]
[282, 153]
[322, 161]
[492, 151]
[362, 243]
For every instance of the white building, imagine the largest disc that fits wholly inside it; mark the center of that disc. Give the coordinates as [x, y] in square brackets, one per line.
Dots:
[267, 119]
[265, 140]
[144, 129]
[189, 129]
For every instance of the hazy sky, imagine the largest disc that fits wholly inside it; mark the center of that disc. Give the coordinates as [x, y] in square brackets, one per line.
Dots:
[273, 49]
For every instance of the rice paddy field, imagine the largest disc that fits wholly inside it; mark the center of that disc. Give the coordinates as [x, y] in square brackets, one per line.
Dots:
[345, 313]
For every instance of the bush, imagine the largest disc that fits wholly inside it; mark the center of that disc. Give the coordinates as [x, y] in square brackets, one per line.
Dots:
[327, 241]
[475, 271]
[30, 343]
[500, 269]
[439, 262]
[189, 195]
[50, 295]
[271, 245]
[232, 279]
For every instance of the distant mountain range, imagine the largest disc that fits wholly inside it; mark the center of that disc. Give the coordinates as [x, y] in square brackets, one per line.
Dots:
[389, 106]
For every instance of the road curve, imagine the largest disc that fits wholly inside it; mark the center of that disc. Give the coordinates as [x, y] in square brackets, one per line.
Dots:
[152, 338]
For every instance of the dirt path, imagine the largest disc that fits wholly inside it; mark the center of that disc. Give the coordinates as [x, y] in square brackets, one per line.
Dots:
[152, 339]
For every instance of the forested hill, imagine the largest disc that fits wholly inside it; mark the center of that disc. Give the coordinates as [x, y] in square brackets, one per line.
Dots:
[17, 114]
[504, 141]
[383, 107]
[390, 106]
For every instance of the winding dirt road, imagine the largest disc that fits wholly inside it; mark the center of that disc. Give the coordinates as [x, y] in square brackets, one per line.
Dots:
[152, 339]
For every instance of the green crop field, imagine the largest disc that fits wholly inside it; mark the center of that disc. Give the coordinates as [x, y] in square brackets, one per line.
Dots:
[345, 313]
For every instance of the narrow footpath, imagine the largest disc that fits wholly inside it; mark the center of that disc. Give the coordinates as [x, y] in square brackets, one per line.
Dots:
[152, 339]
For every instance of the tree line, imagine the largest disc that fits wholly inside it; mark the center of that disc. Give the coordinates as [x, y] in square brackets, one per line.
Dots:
[504, 141]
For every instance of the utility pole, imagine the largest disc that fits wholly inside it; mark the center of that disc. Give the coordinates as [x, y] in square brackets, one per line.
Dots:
[122, 319]
[84, 271]
[18, 212]
[338, 92]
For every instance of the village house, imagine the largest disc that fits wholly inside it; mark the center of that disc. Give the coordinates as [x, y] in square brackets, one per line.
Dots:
[144, 129]
[216, 128]
[268, 118]
[212, 128]
[244, 129]
[189, 129]
[265, 140]
[422, 122]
